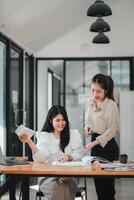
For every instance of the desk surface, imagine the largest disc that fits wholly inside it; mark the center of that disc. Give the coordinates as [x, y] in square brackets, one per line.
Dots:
[37, 169]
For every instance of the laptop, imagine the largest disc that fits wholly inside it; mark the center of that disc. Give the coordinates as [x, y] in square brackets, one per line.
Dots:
[8, 161]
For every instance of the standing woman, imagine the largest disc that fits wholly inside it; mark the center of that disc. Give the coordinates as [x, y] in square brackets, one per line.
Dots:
[102, 123]
[56, 142]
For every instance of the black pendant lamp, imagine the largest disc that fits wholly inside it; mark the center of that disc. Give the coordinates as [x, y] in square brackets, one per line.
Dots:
[99, 9]
[101, 39]
[100, 26]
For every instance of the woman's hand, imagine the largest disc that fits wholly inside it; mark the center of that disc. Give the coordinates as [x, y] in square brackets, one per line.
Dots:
[88, 132]
[25, 138]
[89, 146]
[65, 157]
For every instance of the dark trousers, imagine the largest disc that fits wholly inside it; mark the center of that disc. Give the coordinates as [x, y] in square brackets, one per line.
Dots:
[105, 187]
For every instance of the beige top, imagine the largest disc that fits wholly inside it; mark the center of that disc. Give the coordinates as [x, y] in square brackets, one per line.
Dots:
[103, 120]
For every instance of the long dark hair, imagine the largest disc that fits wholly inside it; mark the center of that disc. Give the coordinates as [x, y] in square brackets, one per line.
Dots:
[48, 126]
[105, 82]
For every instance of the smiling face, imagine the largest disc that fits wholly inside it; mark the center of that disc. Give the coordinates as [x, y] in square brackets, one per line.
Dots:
[97, 92]
[59, 123]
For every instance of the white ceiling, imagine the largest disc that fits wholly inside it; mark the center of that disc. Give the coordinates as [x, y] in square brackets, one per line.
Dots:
[60, 27]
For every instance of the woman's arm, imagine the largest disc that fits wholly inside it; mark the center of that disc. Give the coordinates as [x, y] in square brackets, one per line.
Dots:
[112, 125]
[65, 157]
[25, 138]
[75, 145]
[89, 146]
[87, 129]
[40, 151]
[86, 125]
[75, 148]
[88, 132]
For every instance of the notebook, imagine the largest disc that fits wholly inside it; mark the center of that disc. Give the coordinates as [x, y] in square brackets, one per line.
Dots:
[11, 161]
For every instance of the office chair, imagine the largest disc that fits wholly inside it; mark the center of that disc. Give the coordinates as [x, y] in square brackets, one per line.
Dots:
[40, 194]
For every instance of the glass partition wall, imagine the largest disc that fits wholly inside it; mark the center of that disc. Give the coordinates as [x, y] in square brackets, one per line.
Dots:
[2, 94]
[50, 87]
[16, 99]
[76, 75]
[120, 72]
[2, 101]
[78, 79]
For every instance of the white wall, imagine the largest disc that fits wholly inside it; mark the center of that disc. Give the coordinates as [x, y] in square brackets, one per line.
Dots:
[127, 124]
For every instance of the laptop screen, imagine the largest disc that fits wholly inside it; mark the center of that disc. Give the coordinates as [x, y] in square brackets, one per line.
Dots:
[2, 159]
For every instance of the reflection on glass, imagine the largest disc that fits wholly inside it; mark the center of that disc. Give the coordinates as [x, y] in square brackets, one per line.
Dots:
[78, 80]
[27, 92]
[74, 87]
[14, 145]
[55, 81]
[121, 76]
[2, 100]
[49, 90]
[2, 92]
[95, 67]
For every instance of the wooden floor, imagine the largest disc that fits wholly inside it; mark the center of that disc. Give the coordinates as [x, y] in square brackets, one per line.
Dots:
[124, 190]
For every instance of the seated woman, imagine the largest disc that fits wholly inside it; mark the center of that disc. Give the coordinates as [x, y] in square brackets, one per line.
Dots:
[56, 142]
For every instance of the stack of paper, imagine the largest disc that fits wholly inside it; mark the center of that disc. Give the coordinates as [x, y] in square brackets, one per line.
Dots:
[117, 166]
[68, 163]
[93, 158]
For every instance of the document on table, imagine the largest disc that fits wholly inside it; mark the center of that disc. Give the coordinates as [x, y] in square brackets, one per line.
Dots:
[86, 160]
[117, 166]
[68, 163]
[90, 159]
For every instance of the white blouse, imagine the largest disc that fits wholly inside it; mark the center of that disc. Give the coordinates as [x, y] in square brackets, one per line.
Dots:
[49, 149]
[104, 120]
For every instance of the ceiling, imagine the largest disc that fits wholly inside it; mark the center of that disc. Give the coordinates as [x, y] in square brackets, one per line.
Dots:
[36, 25]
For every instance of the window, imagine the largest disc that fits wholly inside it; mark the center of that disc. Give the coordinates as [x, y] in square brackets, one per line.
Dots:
[2, 93]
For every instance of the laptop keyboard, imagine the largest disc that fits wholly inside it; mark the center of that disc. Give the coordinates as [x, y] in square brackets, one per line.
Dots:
[16, 162]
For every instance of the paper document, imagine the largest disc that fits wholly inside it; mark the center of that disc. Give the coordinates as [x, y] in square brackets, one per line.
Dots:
[117, 166]
[68, 163]
[21, 130]
[93, 158]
